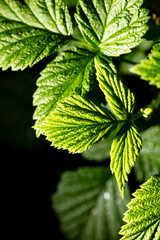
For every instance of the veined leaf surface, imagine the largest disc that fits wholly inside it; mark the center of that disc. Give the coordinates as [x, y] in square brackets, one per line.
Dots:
[149, 68]
[112, 27]
[89, 205]
[52, 15]
[31, 30]
[124, 151]
[22, 46]
[143, 216]
[70, 73]
[118, 96]
[76, 124]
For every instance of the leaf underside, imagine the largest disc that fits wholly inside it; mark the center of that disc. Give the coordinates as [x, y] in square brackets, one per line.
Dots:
[89, 205]
[112, 27]
[143, 216]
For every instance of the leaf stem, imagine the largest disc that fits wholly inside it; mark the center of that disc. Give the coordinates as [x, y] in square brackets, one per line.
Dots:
[148, 110]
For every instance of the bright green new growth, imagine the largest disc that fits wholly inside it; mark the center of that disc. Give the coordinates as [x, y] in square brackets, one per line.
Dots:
[118, 96]
[70, 73]
[31, 31]
[124, 151]
[68, 111]
[149, 68]
[112, 27]
[143, 216]
[89, 205]
[77, 123]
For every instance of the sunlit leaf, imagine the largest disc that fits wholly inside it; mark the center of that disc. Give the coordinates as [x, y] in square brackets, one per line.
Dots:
[124, 151]
[149, 68]
[77, 123]
[112, 27]
[143, 216]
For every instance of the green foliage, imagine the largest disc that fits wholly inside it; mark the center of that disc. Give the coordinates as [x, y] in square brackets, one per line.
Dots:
[100, 151]
[149, 68]
[89, 205]
[82, 99]
[31, 31]
[44, 14]
[148, 162]
[77, 123]
[112, 27]
[68, 74]
[22, 46]
[124, 150]
[118, 96]
[143, 216]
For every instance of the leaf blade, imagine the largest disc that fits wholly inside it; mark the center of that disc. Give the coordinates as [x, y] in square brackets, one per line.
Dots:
[88, 204]
[113, 27]
[118, 96]
[149, 68]
[70, 73]
[22, 46]
[144, 212]
[39, 14]
[77, 123]
[124, 150]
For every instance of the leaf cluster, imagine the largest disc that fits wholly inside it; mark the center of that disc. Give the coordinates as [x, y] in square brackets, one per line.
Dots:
[70, 111]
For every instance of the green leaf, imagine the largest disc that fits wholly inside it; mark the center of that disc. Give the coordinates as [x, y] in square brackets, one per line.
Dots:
[76, 124]
[143, 216]
[112, 27]
[70, 73]
[22, 46]
[148, 163]
[118, 96]
[149, 68]
[100, 151]
[89, 205]
[52, 15]
[31, 30]
[124, 150]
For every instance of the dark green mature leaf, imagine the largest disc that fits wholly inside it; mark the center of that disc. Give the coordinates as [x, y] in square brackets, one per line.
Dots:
[124, 151]
[148, 162]
[118, 96]
[52, 15]
[143, 216]
[31, 30]
[70, 73]
[89, 205]
[149, 68]
[22, 46]
[76, 124]
[112, 27]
